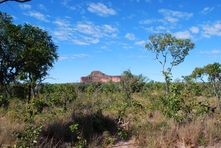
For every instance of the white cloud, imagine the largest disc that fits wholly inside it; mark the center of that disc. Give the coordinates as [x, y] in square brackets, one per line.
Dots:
[83, 33]
[150, 21]
[78, 42]
[174, 16]
[211, 29]
[80, 55]
[62, 23]
[183, 35]
[63, 34]
[88, 28]
[101, 9]
[207, 10]
[96, 31]
[42, 7]
[37, 15]
[25, 6]
[215, 51]
[66, 4]
[130, 36]
[62, 57]
[157, 29]
[67, 57]
[108, 28]
[141, 43]
[194, 29]
[91, 40]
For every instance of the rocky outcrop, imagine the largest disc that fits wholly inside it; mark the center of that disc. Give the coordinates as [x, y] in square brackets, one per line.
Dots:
[97, 76]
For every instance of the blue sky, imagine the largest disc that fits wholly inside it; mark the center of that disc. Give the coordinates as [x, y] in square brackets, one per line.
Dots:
[110, 36]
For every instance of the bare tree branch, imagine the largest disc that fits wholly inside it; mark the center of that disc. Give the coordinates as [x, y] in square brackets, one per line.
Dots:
[20, 1]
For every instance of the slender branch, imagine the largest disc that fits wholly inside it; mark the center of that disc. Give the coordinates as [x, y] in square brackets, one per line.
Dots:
[20, 1]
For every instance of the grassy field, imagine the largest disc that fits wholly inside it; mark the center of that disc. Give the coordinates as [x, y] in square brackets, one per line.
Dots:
[71, 115]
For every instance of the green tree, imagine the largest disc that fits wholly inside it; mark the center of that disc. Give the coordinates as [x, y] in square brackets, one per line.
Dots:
[166, 47]
[26, 53]
[213, 72]
[9, 49]
[131, 83]
[38, 53]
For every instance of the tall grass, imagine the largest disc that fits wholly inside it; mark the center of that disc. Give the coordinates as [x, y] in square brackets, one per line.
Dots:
[95, 113]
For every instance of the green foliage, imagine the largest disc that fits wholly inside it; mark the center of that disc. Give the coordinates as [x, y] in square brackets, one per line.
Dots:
[162, 45]
[123, 134]
[213, 72]
[59, 94]
[19, 91]
[26, 53]
[39, 104]
[73, 127]
[179, 105]
[130, 83]
[29, 137]
[3, 101]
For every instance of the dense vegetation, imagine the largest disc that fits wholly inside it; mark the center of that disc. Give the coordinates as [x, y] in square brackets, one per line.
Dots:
[145, 113]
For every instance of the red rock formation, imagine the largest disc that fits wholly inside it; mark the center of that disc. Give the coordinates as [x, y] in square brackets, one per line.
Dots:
[97, 76]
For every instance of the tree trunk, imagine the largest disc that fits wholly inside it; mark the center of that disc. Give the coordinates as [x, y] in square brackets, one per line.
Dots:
[167, 85]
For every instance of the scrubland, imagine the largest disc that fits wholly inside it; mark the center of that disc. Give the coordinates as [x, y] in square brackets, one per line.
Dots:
[85, 115]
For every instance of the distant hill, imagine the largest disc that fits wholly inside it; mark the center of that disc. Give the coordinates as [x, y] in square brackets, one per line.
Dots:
[97, 76]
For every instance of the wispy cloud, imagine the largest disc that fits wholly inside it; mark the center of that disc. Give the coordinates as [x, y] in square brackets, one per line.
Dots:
[130, 36]
[74, 56]
[25, 6]
[101, 9]
[67, 5]
[83, 33]
[174, 16]
[206, 10]
[213, 29]
[157, 29]
[37, 15]
[215, 51]
[183, 35]
[194, 29]
[141, 43]
[79, 55]
[62, 22]
[150, 21]
[42, 7]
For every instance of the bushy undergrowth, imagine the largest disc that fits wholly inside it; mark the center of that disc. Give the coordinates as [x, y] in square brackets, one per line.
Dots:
[78, 115]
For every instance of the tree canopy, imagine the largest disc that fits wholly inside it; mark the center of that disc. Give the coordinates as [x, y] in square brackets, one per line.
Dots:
[167, 47]
[213, 72]
[27, 52]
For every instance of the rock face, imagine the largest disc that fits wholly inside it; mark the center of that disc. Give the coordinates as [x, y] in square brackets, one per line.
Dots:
[97, 76]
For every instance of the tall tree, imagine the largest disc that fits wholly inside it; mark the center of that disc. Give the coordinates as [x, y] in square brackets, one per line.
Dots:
[38, 53]
[9, 49]
[26, 53]
[213, 72]
[166, 47]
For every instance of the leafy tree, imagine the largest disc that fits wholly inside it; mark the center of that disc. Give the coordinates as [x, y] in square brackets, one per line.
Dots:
[131, 83]
[167, 47]
[213, 72]
[26, 53]
[38, 53]
[9, 49]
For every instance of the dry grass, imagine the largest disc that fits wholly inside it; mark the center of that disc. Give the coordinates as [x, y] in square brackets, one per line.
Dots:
[147, 128]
